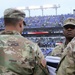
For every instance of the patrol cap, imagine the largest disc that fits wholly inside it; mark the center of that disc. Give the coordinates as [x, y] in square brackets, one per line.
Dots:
[69, 21]
[14, 13]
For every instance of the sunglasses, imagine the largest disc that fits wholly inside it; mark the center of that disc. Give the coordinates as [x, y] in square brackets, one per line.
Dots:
[69, 26]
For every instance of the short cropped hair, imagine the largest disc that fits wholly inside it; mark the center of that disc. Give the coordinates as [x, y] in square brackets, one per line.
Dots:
[12, 21]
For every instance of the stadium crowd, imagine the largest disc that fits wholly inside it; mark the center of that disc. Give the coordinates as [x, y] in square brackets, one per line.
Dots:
[43, 21]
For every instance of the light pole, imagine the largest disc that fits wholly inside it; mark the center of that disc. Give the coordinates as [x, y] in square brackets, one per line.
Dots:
[56, 7]
[48, 6]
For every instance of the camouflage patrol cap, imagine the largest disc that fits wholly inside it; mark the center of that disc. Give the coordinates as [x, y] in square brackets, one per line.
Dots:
[14, 13]
[69, 21]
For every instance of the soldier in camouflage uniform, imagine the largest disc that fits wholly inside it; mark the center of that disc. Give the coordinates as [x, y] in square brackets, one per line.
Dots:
[67, 63]
[69, 33]
[18, 55]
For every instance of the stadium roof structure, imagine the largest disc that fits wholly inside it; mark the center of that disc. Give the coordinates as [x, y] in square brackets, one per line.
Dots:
[47, 6]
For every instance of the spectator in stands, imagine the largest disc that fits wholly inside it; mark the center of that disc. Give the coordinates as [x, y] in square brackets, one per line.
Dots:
[67, 63]
[69, 33]
[19, 55]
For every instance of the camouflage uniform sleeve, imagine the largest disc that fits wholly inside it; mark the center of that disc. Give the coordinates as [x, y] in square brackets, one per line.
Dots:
[57, 51]
[41, 63]
[54, 51]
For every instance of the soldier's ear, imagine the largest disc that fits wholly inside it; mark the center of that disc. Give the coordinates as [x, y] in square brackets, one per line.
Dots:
[20, 24]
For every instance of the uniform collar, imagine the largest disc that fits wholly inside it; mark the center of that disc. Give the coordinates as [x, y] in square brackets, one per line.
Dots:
[10, 32]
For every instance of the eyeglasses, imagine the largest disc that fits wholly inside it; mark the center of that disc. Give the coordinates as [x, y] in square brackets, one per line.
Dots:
[69, 26]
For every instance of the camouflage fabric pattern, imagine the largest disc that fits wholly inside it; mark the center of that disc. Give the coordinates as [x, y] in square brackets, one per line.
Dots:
[19, 56]
[4, 71]
[58, 50]
[67, 63]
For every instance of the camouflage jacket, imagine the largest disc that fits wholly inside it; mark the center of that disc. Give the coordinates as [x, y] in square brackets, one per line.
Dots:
[67, 63]
[58, 50]
[19, 56]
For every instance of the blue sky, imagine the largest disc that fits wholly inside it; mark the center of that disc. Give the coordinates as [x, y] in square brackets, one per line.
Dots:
[66, 6]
